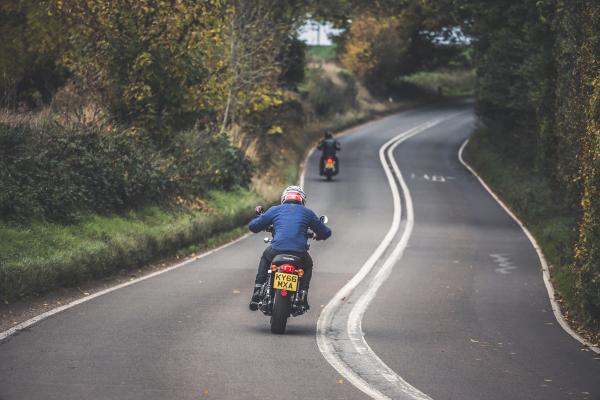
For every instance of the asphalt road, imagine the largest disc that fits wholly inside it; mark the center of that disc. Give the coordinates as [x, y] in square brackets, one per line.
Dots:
[463, 314]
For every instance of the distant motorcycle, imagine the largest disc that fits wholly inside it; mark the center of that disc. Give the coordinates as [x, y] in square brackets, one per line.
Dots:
[329, 168]
[280, 294]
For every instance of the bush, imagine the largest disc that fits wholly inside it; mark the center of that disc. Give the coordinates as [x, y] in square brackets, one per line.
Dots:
[55, 174]
[201, 161]
[325, 96]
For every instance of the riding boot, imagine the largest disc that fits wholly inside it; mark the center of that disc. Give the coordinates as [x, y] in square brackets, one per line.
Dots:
[304, 300]
[255, 298]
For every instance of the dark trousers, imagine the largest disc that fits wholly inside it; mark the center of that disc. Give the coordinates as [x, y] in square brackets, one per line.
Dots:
[322, 164]
[268, 256]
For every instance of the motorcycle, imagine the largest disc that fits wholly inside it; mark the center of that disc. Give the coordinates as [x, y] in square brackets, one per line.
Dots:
[329, 168]
[280, 294]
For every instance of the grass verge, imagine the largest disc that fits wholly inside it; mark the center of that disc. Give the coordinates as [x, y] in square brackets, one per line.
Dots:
[39, 257]
[448, 83]
[532, 198]
[322, 52]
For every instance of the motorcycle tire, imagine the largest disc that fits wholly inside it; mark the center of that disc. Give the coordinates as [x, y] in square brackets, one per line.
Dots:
[281, 312]
[329, 177]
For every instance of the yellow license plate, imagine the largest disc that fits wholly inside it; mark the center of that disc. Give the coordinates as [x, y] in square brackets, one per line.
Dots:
[285, 281]
[329, 165]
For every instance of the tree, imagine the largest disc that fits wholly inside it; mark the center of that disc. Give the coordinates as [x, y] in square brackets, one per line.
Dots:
[159, 66]
[386, 40]
[30, 49]
[259, 33]
[377, 49]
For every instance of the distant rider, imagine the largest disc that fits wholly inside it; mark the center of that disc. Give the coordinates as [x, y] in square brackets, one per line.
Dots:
[290, 221]
[329, 147]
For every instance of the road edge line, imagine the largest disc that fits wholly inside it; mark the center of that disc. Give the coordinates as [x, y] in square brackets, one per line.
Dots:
[545, 269]
[26, 324]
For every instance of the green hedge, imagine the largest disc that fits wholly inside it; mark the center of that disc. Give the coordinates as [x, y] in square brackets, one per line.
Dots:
[325, 96]
[56, 174]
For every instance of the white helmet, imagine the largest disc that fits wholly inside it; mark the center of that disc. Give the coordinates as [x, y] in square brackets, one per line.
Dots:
[293, 193]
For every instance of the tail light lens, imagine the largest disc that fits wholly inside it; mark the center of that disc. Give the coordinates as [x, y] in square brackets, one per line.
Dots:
[284, 292]
[290, 269]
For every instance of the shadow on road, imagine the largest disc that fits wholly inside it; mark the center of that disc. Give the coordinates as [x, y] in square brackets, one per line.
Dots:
[291, 330]
[321, 179]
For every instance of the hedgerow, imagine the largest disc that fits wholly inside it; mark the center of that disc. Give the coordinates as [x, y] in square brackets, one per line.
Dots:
[55, 174]
[538, 92]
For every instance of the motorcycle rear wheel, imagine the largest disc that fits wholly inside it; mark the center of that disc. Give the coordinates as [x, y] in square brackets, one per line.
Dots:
[281, 312]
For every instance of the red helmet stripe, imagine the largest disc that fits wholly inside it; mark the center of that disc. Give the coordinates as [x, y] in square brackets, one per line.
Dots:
[293, 196]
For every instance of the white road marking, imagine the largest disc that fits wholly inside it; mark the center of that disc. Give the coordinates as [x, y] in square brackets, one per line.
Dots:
[38, 318]
[432, 178]
[505, 264]
[545, 270]
[401, 388]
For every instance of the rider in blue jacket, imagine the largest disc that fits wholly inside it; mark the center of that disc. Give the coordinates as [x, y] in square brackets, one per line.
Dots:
[290, 221]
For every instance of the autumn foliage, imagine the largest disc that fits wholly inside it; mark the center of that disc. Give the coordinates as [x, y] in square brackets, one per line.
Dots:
[375, 48]
[141, 99]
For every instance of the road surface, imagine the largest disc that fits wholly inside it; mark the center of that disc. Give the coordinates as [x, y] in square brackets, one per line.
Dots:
[463, 314]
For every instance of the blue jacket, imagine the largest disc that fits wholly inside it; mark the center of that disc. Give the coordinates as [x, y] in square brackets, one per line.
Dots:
[290, 222]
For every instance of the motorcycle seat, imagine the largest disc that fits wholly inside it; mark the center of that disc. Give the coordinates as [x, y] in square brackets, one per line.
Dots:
[281, 259]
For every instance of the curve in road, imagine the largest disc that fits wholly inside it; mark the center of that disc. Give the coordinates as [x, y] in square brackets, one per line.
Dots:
[444, 319]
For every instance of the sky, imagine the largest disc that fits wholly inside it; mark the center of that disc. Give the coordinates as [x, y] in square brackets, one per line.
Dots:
[314, 33]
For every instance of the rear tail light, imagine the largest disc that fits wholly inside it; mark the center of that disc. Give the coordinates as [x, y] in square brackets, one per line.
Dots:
[290, 269]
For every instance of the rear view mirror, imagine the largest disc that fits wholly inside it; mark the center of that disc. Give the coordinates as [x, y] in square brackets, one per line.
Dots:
[259, 210]
[324, 219]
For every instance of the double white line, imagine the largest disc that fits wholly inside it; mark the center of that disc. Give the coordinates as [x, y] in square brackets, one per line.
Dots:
[339, 328]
